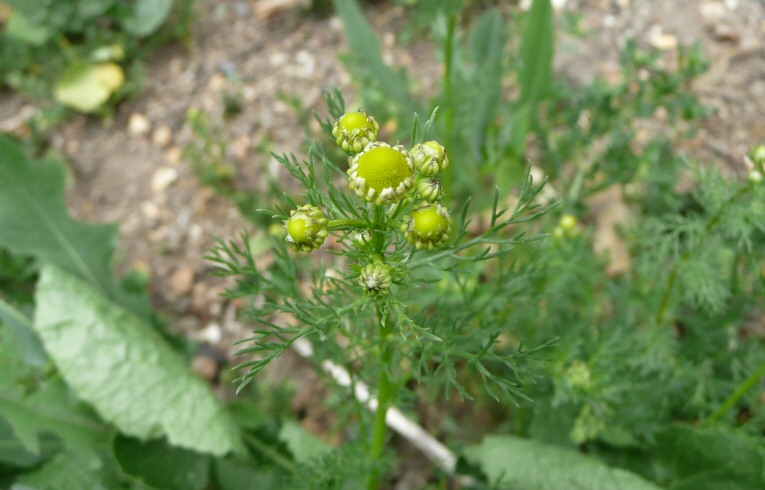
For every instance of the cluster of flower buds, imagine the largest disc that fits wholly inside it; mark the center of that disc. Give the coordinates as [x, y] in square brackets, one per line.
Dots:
[382, 174]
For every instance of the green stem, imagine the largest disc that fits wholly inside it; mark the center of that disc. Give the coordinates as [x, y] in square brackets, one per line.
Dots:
[385, 394]
[742, 389]
[338, 224]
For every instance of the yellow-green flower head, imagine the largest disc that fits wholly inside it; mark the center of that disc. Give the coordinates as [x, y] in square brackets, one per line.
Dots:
[376, 278]
[306, 228]
[354, 131]
[429, 190]
[381, 173]
[430, 158]
[428, 226]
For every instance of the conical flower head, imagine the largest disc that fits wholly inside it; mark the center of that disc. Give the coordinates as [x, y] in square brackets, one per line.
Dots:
[354, 131]
[376, 278]
[428, 226]
[306, 228]
[381, 173]
[430, 158]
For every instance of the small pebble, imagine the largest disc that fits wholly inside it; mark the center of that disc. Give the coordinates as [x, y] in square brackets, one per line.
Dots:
[162, 136]
[163, 178]
[139, 125]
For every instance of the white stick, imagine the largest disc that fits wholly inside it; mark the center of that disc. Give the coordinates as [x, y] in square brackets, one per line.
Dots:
[416, 435]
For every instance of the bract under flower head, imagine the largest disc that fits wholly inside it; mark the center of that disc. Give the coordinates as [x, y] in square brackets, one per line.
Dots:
[430, 158]
[306, 228]
[354, 131]
[428, 226]
[381, 173]
[376, 278]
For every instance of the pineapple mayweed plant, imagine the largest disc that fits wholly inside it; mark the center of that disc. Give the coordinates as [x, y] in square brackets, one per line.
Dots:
[406, 307]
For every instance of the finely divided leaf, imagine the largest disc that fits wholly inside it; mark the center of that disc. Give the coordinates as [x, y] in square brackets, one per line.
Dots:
[34, 221]
[512, 463]
[126, 370]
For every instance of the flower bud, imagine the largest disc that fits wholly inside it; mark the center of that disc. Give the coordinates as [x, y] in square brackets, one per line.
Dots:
[381, 173]
[429, 190]
[430, 158]
[755, 176]
[376, 278]
[428, 226]
[354, 131]
[758, 156]
[306, 228]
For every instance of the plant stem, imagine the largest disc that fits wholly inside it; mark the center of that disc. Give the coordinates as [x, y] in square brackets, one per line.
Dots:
[448, 99]
[268, 451]
[385, 394]
[737, 395]
[337, 224]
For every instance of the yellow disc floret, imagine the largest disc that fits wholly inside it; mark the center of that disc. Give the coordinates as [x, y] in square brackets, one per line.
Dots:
[354, 131]
[306, 228]
[381, 173]
[428, 226]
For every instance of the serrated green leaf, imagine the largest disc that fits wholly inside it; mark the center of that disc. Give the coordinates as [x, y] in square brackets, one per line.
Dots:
[34, 221]
[162, 466]
[126, 370]
[303, 445]
[148, 16]
[50, 409]
[513, 463]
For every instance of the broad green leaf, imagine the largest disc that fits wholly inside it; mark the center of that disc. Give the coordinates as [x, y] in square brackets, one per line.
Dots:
[13, 452]
[515, 463]
[160, 465]
[709, 458]
[34, 221]
[148, 16]
[71, 471]
[126, 370]
[535, 74]
[50, 409]
[238, 474]
[87, 9]
[24, 334]
[303, 445]
[86, 87]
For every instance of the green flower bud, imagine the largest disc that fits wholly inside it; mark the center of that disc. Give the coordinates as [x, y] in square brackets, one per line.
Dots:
[430, 158]
[381, 173]
[755, 176]
[428, 226]
[354, 131]
[376, 278]
[568, 223]
[306, 228]
[758, 155]
[429, 190]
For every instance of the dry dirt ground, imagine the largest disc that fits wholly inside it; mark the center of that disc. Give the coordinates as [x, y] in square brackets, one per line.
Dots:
[131, 170]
